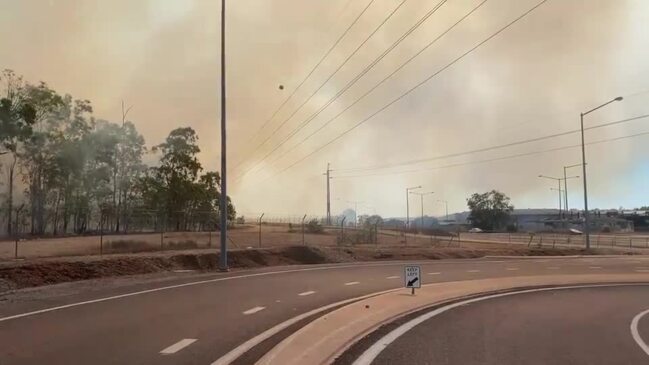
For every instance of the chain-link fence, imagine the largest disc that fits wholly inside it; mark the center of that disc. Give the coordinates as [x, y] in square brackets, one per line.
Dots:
[151, 232]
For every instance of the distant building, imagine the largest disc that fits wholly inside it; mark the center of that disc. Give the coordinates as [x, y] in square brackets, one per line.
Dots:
[539, 220]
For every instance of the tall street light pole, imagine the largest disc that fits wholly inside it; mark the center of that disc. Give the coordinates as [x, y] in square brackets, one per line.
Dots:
[558, 180]
[446, 205]
[421, 196]
[223, 206]
[565, 187]
[583, 166]
[408, 204]
[559, 191]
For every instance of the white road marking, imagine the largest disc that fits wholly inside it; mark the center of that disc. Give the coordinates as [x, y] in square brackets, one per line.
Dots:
[642, 270]
[182, 271]
[636, 335]
[594, 267]
[254, 310]
[512, 268]
[393, 277]
[552, 268]
[178, 346]
[227, 278]
[304, 294]
[373, 351]
[209, 281]
[473, 271]
[434, 273]
[352, 283]
[246, 346]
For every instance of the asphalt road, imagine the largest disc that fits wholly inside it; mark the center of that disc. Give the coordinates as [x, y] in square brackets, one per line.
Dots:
[221, 311]
[572, 326]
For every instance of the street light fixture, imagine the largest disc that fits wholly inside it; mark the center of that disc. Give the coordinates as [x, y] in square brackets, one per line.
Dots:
[446, 204]
[223, 204]
[583, 166]
[421, 196]
[408, 204]
[565, 186]
[558, 180]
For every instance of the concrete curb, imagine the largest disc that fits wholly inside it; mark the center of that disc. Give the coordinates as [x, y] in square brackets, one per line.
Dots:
[322, 340]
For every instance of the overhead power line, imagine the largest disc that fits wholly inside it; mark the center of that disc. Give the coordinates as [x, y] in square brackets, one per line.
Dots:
[486, 149]
[507, 157]
[351, 83]
[381, 82]
[328, 78]
[454, 61]
[326, 54]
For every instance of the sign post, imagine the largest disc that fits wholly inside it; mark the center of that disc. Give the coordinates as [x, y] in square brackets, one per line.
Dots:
[412, 277]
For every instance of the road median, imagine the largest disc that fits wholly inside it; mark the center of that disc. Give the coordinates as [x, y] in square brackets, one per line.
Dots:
[326, 338]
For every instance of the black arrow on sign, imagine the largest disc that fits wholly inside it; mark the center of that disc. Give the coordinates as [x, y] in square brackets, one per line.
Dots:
[413, 281]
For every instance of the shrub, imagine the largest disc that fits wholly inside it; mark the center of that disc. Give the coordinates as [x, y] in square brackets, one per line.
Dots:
[314, 226]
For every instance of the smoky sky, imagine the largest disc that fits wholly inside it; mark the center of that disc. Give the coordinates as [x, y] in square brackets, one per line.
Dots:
[534, 79]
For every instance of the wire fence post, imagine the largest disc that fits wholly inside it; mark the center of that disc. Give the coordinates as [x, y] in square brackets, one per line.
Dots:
[303, 241]
[405, 234]
[162, 235]
[376, 233]
[260, 217]
[342, 231]
[16, 248]
[101, 235]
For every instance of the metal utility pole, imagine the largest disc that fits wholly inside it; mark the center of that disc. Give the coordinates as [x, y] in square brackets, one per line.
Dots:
[565, 186]
[583, 166]
[446, 205]
[558, 180]
[223, 257]
[327, 174]
[559, 191]
[421, 196]
[408, 204]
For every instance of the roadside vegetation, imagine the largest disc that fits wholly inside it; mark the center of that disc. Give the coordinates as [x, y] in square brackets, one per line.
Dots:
[66, 172]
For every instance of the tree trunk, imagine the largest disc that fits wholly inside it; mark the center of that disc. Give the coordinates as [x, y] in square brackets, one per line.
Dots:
[10, 198]
[56, 213]
[115, 206]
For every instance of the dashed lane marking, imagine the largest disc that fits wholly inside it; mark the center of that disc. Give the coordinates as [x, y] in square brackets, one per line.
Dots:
[254, 310]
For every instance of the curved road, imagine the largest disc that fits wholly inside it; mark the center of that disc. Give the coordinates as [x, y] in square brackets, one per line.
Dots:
[590, 325]
[196, 319]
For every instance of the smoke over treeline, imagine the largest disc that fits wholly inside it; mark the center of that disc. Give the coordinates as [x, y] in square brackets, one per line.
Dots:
[63, 171]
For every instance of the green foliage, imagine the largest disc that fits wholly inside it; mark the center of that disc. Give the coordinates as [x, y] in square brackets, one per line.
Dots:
[314, 226]
[176, 189]
[490, 210]
[78, 171]
[372, 220]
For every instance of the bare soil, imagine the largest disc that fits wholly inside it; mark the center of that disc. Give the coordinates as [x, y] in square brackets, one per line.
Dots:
[47, 271]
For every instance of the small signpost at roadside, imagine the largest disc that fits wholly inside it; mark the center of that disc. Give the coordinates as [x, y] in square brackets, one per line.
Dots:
[412, 277]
